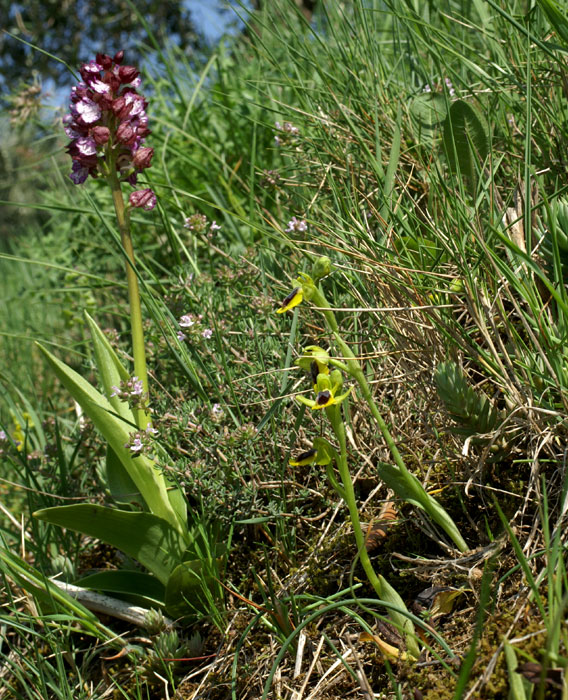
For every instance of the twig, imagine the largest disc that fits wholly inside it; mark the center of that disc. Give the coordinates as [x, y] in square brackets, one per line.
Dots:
[99, 602]
[300, 693]
[299, 654]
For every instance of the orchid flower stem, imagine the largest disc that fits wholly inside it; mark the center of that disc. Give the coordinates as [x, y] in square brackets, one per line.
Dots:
[412, 484]
[138, 348]
[381, 586]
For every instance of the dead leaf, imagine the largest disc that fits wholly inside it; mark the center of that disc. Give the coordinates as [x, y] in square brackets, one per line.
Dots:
[390, 651]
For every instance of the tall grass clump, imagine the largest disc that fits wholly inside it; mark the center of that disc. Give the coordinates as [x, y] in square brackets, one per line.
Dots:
[367, 491]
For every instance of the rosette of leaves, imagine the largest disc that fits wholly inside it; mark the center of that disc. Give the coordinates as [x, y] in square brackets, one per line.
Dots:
[471, 409]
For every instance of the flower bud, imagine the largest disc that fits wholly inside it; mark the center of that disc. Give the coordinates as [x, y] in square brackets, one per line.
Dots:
[323, 383]
[100, 134]
[321, 268]
[142, 131]
[104, 61]
[143, 158]
[143, 199]
[127, 74]
[118, 56]
[120, 108]
[125, 134]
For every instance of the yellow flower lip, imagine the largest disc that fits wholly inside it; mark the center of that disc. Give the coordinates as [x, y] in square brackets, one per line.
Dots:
[323, 399]
[303, 459]
[293, 299]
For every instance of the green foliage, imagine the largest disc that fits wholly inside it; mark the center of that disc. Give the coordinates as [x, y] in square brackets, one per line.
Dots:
[143, 536]
[556, 15]
[470, 409]
[135, 586]
[465, 139]
[143, 471]
[554, 240]
[428, 113]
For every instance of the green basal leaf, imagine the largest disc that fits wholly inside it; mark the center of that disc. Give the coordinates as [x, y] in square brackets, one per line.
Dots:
[111, 371]
[143, 471]
[465, 138]
[122, 488]
[413, 492]
[422, 253]
[145, 537]
[427, 114]
[185, 589]
[139, 587]
[556, 16]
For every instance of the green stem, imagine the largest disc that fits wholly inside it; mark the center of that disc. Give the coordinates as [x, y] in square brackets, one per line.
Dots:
[138, 348]
[381, 586]
[429, 504]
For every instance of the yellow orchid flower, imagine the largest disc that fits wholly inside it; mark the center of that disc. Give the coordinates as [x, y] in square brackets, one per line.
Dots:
[293, 299]
[304, 459]
[326, 394]
[319, 454]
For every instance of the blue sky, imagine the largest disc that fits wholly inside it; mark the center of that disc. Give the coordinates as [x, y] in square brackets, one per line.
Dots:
[209, 20]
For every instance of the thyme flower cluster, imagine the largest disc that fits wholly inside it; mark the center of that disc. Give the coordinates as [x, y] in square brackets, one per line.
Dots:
[107, 125]
[131, 391]
[287, 133]
[141, 442]
[192, 325]
[198, 223]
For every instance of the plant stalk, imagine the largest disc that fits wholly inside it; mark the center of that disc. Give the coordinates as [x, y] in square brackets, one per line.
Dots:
[355, 370]
[138, 348]
[381, 586]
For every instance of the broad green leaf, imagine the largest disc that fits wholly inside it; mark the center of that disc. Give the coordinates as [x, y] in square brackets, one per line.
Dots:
[519, 688]
[142, 536]
[390, 594]
[422, 253]
[556, 16]
[465, 138]
[145, 588]
[120, 485]
[185, 589]
[397, 482]
[178, 502]
[427, 114]
[412, 491]
[389, 181]
[143, 471]
[111, 371]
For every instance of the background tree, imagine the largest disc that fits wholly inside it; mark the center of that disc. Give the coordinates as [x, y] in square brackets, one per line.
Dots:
[75, 29]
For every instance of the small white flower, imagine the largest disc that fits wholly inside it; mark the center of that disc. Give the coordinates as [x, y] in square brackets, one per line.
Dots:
[207, 333]
[296, 225]
[137, 444]
[186, 321]
[137, 387]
